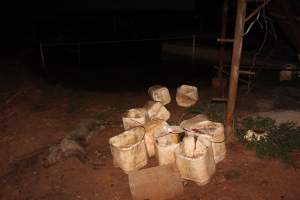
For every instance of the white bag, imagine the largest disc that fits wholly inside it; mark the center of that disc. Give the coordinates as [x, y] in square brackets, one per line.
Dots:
[165, 145]
[187, 95]
[129, 150]
[153, 127]
[156, 110]
[134, 117]
[215, 132]
[160, 93]
[201, 166]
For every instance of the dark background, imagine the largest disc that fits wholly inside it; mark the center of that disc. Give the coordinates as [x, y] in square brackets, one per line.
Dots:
[142, 26]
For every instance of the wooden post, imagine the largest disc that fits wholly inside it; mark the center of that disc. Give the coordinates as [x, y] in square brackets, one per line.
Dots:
[223, 36]
[235, 67]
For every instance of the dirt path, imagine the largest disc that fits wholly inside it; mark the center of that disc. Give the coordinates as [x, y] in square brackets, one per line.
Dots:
[42, 116]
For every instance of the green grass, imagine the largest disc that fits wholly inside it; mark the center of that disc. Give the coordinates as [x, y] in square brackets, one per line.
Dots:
[282, 138]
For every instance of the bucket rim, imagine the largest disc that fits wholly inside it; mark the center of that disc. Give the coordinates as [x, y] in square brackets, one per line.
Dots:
[124, 132]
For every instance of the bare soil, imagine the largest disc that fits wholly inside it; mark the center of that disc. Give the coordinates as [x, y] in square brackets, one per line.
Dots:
[35, 116]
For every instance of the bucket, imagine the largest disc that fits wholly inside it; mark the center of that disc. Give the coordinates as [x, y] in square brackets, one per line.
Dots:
[134, 117]
[187, 95]
[190, 123]
[156, 110]
[287, 74]
[165, 145]
[128, 149]
[153, 127]
[201, 166]
[155, 183]
[160, 93]
[215, 132]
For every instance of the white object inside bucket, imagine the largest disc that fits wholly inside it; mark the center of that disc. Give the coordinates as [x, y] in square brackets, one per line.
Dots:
[165, 145]
[128, 149]
[156, 110]
[153, 127]
[160, 93]
[201, 166]
[189, 145]
[134, 117]
[187, 95]
[212, 130]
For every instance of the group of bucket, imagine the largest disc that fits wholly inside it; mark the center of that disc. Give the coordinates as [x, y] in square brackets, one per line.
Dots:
[195, 146]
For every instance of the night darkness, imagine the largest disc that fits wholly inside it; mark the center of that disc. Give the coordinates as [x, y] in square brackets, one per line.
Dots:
[115, 37]
[105, 99]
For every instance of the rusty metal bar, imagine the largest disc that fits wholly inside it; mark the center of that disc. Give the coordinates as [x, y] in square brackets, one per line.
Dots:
[218, 99]
[222, 40]
[235, 66]
[247, 72]
[257, 10]
[223, 35]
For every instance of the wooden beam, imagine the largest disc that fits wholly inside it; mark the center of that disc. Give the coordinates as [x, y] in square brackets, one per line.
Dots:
[247, 72]
[235, 67]
[222, 40]
[227, 73]
[218, 99]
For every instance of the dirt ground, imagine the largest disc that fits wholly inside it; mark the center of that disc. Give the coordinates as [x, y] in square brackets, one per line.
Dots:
[36, 115]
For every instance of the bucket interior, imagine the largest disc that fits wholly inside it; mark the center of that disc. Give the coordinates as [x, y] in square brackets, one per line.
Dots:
[206, 128]
[128, 138]
[167, 139]
[205, 143]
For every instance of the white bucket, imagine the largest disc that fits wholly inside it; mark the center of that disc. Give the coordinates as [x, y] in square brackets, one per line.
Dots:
[165, 145]
[129, 150]
[187, 95]
[134, 117]
[201, 166]
[215, 132]
[153, 127]
[156, 110]
[160, 93]
[190, 123]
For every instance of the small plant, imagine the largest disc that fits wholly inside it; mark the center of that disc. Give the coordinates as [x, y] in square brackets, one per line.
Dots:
[281, 139]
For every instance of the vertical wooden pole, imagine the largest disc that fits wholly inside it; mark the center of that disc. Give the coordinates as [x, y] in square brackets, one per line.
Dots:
[223, 35]
[235, 67]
